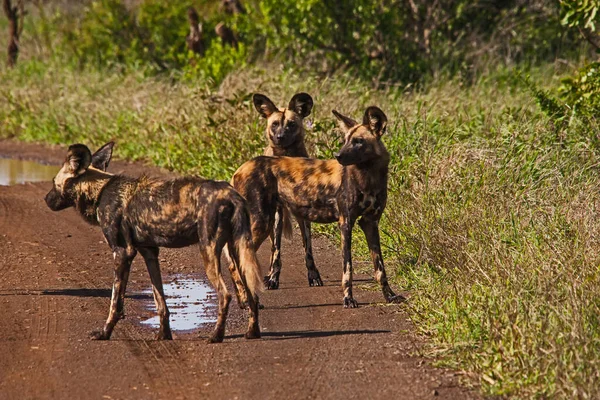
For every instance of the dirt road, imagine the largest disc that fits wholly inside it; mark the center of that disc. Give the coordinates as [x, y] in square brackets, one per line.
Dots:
[55, 276]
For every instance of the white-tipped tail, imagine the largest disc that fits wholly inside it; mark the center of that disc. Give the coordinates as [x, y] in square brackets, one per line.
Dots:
[249, 266]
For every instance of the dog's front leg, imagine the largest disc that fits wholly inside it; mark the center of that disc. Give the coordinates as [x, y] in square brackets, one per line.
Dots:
[126, 234]
[123, 258]
[272, 280]
[371, 231]
[314, 278]
[346, 230]
[150, 255]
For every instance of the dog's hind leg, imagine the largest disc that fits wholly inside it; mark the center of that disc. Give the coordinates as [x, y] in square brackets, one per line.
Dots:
[371, 231]
[150, 255]
[212, 263]
[314, 278]
[123, 258]
[238, 286]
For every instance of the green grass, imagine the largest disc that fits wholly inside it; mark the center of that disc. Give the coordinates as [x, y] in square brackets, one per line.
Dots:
[492, 222]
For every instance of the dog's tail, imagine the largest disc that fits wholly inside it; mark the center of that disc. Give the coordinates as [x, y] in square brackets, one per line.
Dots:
[287, 222]
[243, 251]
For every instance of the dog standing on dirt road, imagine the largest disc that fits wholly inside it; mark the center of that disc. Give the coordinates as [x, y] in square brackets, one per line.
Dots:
[285, 137]
[143, 214]
[352, 186]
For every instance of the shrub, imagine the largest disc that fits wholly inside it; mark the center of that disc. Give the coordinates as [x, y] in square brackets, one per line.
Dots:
[384, 41]
[582, 91]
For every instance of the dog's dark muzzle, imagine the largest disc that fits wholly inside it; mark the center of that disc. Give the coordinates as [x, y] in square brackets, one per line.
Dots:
[55, 201]
[345, 158]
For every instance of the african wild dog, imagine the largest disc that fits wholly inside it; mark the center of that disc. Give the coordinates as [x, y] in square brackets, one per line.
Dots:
[351, 187]
[285, 137]
[143, 214]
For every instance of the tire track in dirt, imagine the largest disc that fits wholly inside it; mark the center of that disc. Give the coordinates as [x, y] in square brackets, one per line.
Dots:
[165, 371]
[159, 362]
[167, 367]
[11, 216]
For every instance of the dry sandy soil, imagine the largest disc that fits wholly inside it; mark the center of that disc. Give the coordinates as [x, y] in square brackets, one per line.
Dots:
[56, 274]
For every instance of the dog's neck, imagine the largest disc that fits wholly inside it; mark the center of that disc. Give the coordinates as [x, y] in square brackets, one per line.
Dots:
[370, 176]
[296, 149]
[88, 190]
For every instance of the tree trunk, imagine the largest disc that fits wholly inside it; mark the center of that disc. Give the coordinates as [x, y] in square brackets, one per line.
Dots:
[14, 30]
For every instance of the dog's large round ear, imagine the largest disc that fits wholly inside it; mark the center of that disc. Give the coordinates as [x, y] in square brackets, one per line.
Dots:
[376, 120]
[301, 104]
[263, 105]
[345, 123]
[79, 158]
[102, 157]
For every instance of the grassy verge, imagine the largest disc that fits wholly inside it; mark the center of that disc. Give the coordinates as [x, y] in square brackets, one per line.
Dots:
[491, 225]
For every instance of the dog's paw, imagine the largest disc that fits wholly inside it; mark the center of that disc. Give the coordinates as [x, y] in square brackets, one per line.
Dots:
[243, 305]
[215, 338]
[164, 335]
[252, 334]
[99, 335]
[272, 284]
[349, 302]
[314, 279]
[398, 298]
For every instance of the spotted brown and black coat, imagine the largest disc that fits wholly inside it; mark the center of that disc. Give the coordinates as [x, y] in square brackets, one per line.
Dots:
[285, 137]
[350, 188]
[144, 214]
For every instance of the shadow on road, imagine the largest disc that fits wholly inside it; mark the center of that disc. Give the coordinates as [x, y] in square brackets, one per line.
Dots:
[312, 334]
[77, 292]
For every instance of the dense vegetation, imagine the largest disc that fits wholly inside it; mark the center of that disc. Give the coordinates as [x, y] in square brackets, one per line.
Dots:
[492, 222]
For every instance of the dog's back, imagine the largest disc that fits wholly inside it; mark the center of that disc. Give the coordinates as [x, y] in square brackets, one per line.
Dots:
[168, 213]
[308, 187]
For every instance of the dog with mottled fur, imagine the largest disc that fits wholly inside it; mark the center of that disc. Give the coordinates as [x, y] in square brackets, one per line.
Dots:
[144, 214]
[285, 137]
[350, 188]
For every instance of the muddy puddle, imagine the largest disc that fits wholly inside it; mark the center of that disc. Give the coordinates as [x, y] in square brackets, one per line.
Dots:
[14, 172]
[192, 303]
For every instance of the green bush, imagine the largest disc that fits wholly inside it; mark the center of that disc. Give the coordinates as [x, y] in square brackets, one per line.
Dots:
[580, 13]
[216, 63]
[384, 41]
[582, 91]
[149, 37]
[578, 96]
[401, 41]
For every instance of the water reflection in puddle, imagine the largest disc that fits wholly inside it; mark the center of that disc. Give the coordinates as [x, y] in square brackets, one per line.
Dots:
[13, 172]
[191, 302]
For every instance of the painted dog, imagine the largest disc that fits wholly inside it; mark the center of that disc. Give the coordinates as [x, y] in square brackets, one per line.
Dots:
[285, 136]
[351, 188]
[143, 214]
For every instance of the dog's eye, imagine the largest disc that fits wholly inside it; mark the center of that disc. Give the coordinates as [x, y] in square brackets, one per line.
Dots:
[358, 141]
[275, 124]
[291, 124]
